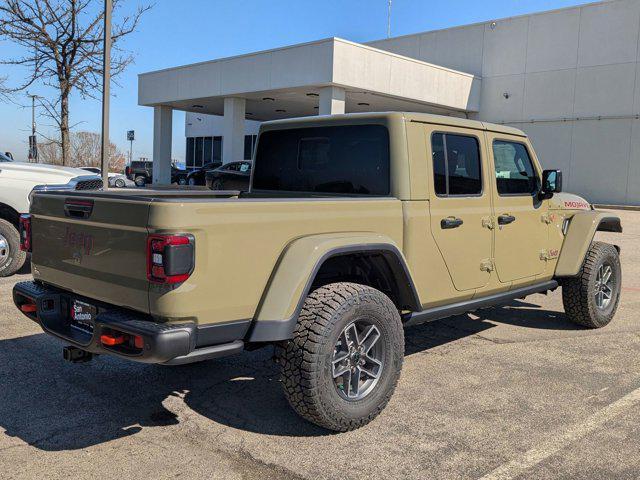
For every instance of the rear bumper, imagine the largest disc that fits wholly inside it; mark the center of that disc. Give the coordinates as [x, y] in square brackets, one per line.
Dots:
[169, 344]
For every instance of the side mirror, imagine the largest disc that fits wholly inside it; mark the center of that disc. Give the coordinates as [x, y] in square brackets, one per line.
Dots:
[552, 181]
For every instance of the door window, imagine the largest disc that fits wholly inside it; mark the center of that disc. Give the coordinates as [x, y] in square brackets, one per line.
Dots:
[456, 165]
[515, 174]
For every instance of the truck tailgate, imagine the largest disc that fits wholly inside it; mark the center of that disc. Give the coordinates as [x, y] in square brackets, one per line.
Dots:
[93, 246]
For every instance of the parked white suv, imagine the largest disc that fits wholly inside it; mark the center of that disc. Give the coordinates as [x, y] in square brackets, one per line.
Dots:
[17, 181]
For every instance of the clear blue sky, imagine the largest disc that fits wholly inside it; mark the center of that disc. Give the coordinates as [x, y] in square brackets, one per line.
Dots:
[177, 32]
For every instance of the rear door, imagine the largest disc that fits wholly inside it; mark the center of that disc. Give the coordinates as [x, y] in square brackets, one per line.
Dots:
[521, 233]
[460, 204]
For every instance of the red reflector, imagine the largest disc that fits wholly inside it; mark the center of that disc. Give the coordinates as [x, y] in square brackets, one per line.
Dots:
[138, 341]
[78, 203]
[28, 308]
[157, 271]
[25, 232]
[111, 340]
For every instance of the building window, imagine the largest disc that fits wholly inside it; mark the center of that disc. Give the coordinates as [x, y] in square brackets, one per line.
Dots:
[203, 150]
[208, 150]
[188, 160]
[456, 165]
[217, 149]
[199, 151]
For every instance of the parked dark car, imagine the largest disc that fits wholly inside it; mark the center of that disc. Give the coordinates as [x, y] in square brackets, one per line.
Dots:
[196, 177]
[232, 176]
[178, 176]
[141, 172]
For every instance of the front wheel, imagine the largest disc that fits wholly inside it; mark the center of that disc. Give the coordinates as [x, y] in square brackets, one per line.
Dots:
[344, 361]
[591, 298]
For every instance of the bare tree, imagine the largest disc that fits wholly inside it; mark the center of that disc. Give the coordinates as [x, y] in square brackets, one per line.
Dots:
[84, 151]
[3, 89]
[86, 148]
[62, 40]
[49, 153]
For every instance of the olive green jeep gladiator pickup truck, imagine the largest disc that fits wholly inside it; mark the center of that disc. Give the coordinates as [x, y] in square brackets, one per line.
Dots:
[354, 227]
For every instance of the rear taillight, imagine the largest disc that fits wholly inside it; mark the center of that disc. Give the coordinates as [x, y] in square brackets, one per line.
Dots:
[127, 171]
[25, 232]
[170, 258]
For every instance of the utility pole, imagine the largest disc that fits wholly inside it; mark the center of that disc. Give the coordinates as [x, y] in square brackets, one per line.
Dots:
[389, 19]
[33, 146]
[106, 81]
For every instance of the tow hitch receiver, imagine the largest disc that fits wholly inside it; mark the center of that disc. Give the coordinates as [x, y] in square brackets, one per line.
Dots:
[76, 355]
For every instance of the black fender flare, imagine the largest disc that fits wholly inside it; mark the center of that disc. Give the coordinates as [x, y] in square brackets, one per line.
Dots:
[272, 330]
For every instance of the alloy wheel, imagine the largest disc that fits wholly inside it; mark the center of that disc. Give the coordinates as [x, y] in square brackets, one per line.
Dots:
[357, 361]
[604, 286]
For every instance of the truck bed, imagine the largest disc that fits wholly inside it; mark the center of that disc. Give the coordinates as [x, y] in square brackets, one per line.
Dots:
[238, 241]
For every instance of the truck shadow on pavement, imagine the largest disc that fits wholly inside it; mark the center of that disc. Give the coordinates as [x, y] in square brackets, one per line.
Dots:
[53, 405]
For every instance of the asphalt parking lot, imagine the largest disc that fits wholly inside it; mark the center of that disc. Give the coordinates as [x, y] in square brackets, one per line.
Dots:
[512, 392]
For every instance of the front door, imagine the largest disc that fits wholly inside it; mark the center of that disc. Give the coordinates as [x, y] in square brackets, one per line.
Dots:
[460, 204]
[521, 234]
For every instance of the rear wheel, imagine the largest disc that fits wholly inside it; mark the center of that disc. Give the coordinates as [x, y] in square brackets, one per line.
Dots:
[591, 298]
[344, 361]
[217, 184]
[140, 181]
[11, 257]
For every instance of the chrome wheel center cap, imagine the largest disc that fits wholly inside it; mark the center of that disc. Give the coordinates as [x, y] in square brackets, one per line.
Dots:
[4, 249]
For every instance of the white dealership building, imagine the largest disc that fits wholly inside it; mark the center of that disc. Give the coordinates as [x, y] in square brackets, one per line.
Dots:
[570, 78]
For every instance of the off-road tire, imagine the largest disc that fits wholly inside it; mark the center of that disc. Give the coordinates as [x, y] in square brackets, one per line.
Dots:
[306, 360]
[578, 293]
[140, 181]
[16, 257]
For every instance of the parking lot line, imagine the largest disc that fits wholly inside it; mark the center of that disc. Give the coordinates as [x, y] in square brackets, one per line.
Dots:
[558, 440]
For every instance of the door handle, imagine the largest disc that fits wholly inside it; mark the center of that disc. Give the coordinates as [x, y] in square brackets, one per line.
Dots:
[450, 222]
[506, 219]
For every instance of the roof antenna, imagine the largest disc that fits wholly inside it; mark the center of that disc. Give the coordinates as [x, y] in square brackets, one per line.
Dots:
[389, 20]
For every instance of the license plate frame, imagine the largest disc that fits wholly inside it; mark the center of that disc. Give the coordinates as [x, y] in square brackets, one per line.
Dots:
[83, 315]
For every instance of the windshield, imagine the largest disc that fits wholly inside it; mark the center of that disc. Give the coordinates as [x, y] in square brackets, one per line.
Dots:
[4, 158]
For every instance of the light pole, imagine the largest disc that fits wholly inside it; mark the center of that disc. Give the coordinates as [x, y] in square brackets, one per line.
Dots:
[106, 80]
[389, 19]
[131, 136]
[33, 146]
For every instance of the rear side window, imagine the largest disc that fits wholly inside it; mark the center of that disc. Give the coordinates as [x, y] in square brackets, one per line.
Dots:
[515, 174]
[456, 165]
[345, 159]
